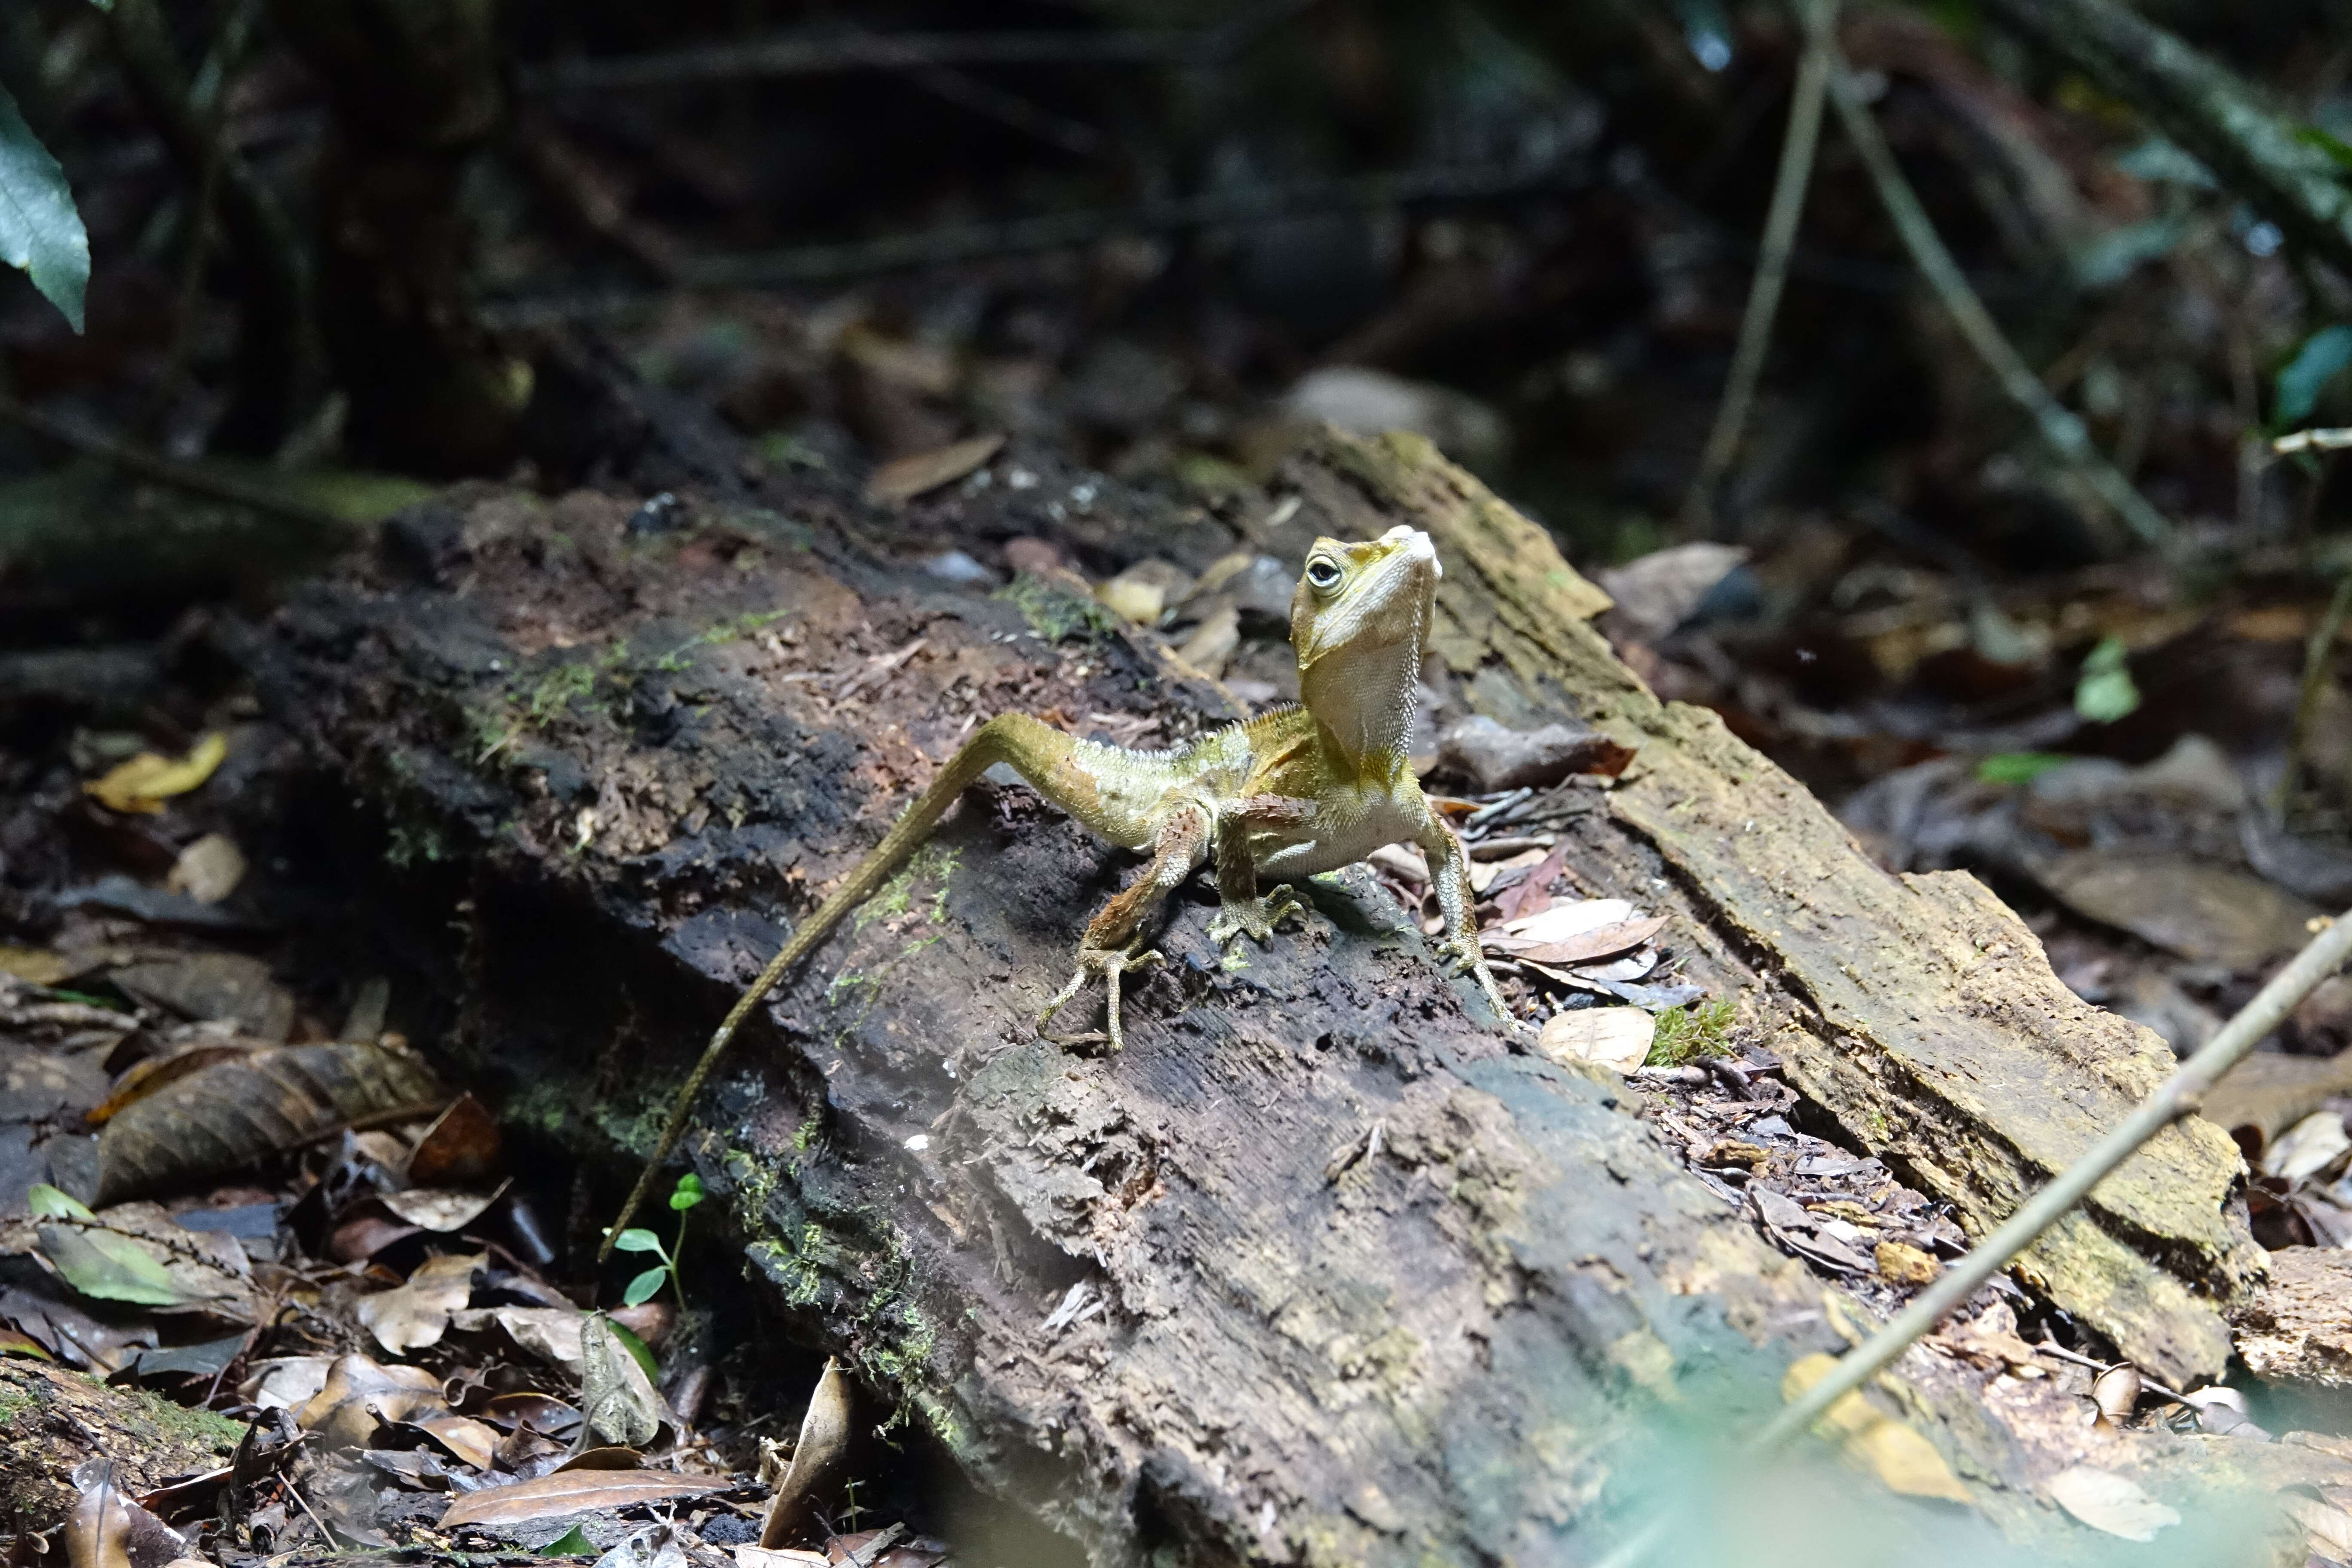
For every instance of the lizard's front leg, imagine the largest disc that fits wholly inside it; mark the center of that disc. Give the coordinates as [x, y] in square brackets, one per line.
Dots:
[1449, 873]
[1243, 911]
[1107, 948]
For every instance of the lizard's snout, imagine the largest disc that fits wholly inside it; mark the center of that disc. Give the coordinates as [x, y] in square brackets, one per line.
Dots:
[1414, 543]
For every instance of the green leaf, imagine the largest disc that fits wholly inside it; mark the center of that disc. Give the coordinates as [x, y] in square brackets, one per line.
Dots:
[40, 230]
[2334, 146]
[570, 1543]
[689, 1193]
[644, 1288]
[109, 1266]
[2156, 159]
[639, 1350]
[2018, 767]
[2321, 359]
[2104, 693]
[635, 1240]
[48, 1203]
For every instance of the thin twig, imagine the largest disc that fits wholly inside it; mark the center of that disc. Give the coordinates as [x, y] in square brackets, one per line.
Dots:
[1771, 275]
[790, 55]
[2058, 425]
[2335, 438]
[2317, 654]
[1048, 231]
[187, 477]
[2176, 1097]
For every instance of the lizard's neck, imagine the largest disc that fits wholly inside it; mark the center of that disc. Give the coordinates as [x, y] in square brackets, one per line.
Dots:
[1363, 698]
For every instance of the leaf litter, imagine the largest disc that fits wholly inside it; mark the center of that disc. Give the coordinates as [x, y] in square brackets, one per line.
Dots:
[372, 1300]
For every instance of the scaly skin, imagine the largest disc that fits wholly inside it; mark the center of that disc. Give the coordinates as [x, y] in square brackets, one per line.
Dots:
[1286, 795]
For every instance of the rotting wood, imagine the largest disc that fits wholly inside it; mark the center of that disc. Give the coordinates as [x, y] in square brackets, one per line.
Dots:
[1126, 1291]
[1919, 1010]
[52, 1419]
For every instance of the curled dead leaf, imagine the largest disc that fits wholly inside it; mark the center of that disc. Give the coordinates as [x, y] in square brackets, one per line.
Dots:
[207, 871]
[816, 1458]
[411, 1316]
[2117, 1393]
[904, 479]
[617, 1398]
[359, 1393]
[551, 1333]
[110, 1529]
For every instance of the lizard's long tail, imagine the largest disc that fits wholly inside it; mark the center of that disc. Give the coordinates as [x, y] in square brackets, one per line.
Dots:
[1031, 746]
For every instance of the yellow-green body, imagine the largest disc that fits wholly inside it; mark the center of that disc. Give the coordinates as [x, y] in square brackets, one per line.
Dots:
[1294, 792]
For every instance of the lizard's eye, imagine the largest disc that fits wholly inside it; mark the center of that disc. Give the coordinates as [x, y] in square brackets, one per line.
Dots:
[1323, 573]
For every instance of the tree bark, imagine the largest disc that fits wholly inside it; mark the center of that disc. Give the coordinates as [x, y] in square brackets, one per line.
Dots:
[1321, 1267]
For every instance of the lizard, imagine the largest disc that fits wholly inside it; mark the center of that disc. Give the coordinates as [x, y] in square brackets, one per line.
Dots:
[1297, 790]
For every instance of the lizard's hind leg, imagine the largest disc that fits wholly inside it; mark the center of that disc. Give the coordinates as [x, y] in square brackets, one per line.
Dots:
[1108, 947]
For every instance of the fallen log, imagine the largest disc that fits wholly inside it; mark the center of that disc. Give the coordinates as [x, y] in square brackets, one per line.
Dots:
[1321, 1267]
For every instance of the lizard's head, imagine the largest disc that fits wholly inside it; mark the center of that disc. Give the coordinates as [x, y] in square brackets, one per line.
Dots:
[1358, 623]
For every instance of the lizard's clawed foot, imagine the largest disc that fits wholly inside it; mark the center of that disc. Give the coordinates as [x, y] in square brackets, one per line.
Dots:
[1254, 918]
[1111, 963]
[1461, 956]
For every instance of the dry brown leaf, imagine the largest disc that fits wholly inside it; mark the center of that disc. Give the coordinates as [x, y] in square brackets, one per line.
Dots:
[411, 1316]
[440, 1209]
[2327, 1527]
[2204, 912]
[529, 1408]
[2105, 1500]
[907, 477]
[36, 965]
[816, 1456]
[144, 1078]
[572, 1491]
[110, 1529]
[1562, 922]
[145, 782]
[459, 1150]
[2271, 1091]
[2306, 1148]
[1603, 942]
[1615, 1037]
[551, 1333]
[1902, 1459]
[233, 1113]
[469, 1439]
[286, 1383]
[213, 986]
[359, 1392]
[207, 871]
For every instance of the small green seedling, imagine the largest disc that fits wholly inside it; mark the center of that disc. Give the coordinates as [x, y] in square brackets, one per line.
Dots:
[2106, 692]
[645, 1285]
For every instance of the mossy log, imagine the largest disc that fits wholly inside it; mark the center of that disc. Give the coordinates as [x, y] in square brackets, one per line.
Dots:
[1320, 1268]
